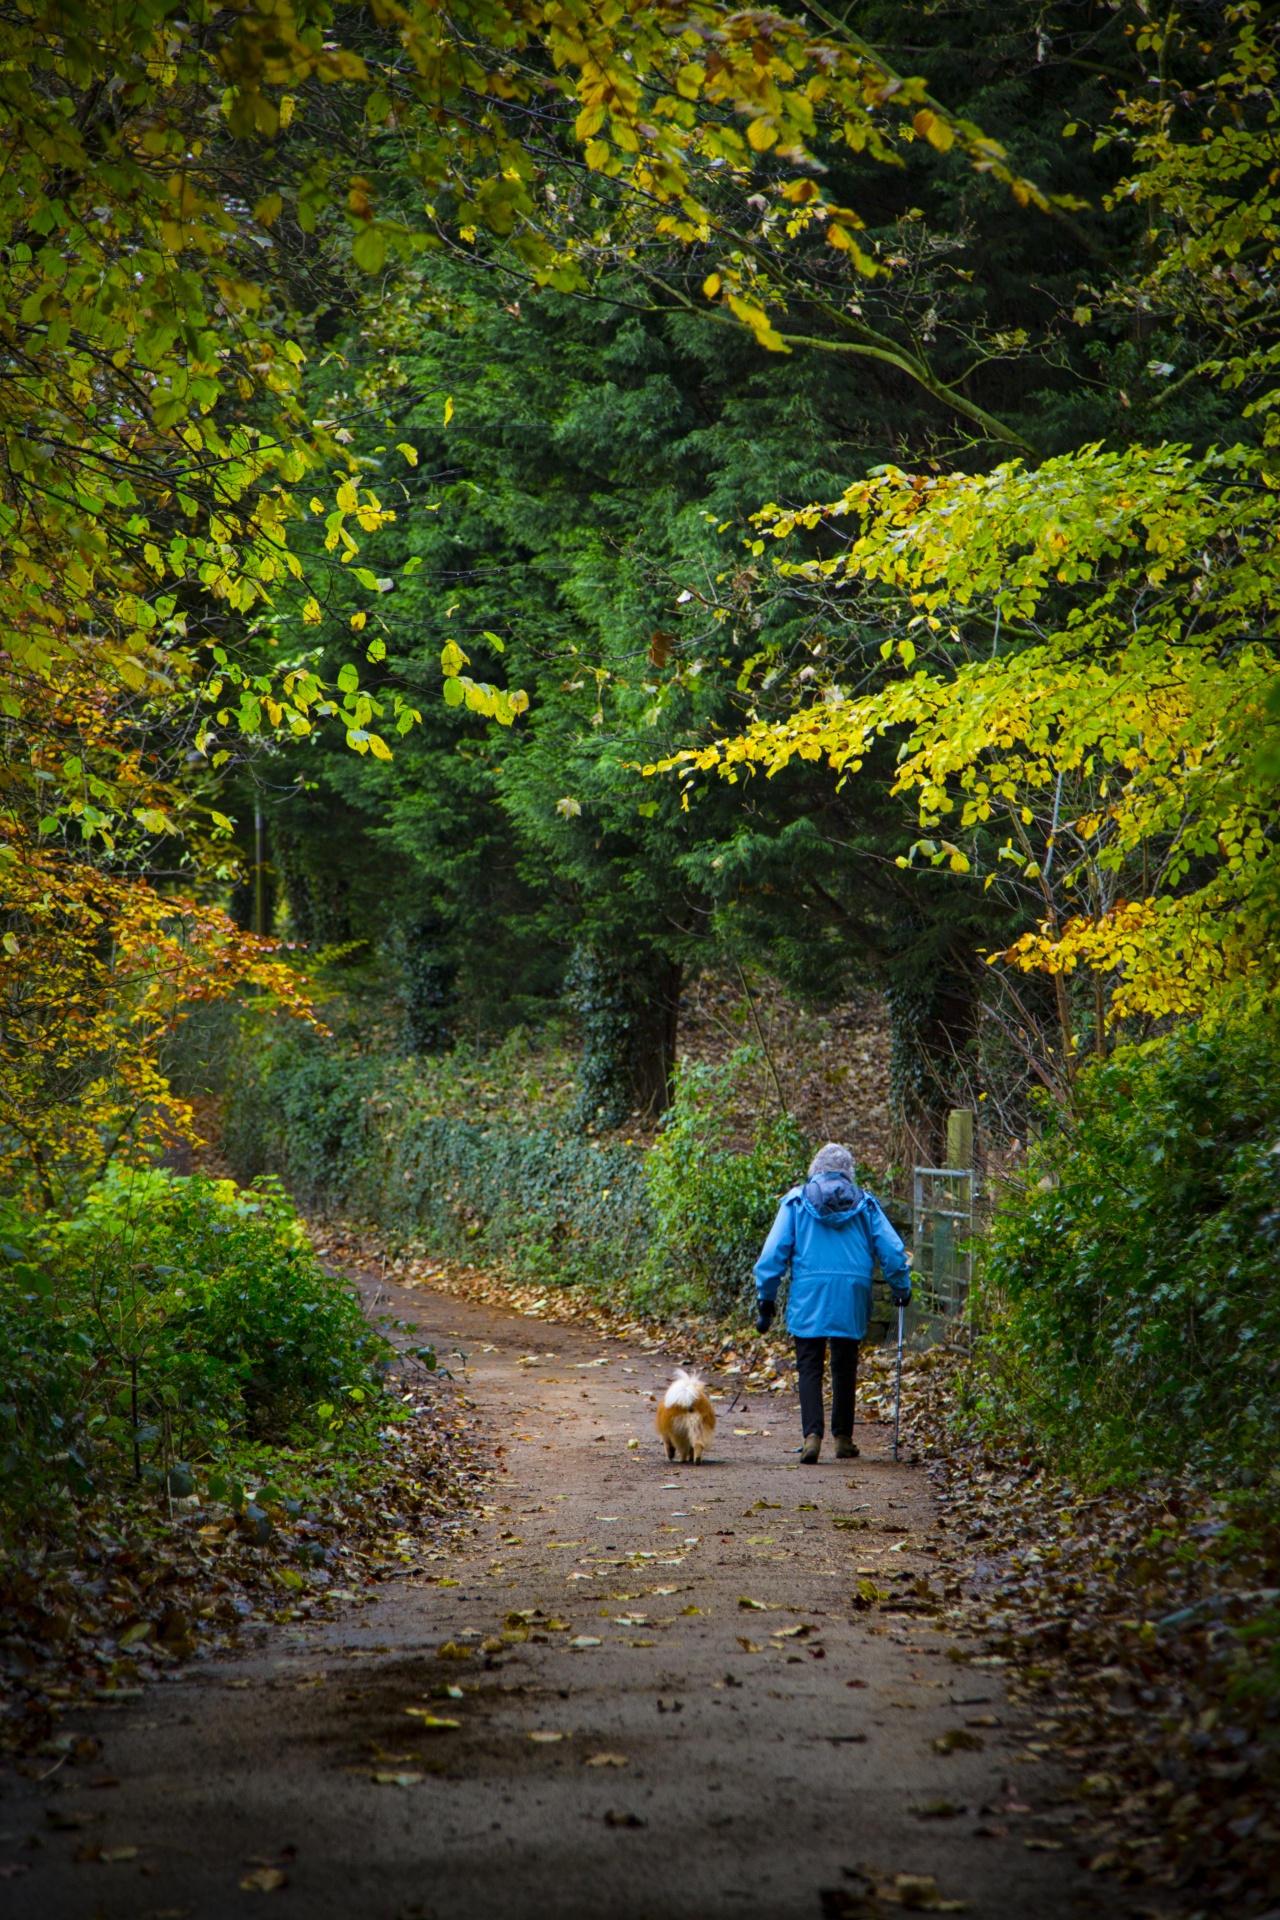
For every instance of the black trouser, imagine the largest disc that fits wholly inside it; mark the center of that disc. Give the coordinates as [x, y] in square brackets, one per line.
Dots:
[810, 1354]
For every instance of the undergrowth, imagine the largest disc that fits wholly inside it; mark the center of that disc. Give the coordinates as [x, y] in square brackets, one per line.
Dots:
[713, 1207]
[171, 1321]
[445, 1160]
[1129, 1298]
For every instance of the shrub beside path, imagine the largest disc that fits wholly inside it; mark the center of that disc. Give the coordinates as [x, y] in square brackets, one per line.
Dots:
[634, 1687]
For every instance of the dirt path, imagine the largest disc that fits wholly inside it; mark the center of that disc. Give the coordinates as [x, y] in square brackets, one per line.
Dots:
[652, 1745]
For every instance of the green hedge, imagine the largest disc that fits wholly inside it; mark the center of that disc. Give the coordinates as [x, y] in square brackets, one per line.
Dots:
[366, 1135]
[375, 1137]
[1131, 1285]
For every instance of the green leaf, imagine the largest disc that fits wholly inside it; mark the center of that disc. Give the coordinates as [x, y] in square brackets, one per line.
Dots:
[369, 250]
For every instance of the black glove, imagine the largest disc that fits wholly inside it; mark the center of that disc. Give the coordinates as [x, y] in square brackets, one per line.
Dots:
[765, 1310]
[900, 1295]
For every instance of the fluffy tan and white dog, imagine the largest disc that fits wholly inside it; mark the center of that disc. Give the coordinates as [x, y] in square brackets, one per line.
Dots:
[686, 1418]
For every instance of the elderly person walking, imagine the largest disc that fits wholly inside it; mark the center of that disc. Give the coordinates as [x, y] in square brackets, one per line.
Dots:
[831, 1234]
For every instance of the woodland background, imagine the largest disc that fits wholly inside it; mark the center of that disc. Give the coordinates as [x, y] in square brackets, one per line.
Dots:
[587, 599]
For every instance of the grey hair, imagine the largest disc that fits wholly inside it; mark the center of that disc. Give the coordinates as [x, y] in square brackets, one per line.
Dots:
[831, 1159]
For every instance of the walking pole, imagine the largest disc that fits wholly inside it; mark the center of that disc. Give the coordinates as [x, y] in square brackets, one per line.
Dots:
[897, 1398]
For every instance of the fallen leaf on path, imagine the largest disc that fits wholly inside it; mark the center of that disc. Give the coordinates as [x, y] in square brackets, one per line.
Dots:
[432, 1721]
[792, 1633]
[748, 1646]
[451, 1651]
[956, 1740]
[271, 1879]
[606, 1760]
[584, 1640]
[919, 1893]
[379, 1780]
[751, 1606]
[116, 1856]
[613, 1819]
[545, 1738]
[1044, 1846]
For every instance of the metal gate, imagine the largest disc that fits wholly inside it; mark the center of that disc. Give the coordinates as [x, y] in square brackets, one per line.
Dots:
[942, 1218]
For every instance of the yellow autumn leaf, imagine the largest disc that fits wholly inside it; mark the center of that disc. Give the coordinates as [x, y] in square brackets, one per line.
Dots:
[757, 319]
[935, 130]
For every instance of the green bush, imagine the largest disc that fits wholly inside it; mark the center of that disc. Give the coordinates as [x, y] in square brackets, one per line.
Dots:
[714, 1207]
[1130, 1287]
[170, 1320]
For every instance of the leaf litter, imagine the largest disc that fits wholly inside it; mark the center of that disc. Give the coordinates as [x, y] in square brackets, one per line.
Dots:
[130, 1591]
[1142, 1621]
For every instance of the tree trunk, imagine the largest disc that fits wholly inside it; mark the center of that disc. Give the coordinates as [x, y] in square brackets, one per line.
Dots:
[657, 1030]
[628, 1009]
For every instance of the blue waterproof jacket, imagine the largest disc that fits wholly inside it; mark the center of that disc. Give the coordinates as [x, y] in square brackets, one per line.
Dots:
[831, 1234]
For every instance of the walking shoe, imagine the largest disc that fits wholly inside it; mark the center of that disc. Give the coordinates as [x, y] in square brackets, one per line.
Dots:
[810, 1450]
[845, 1449]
